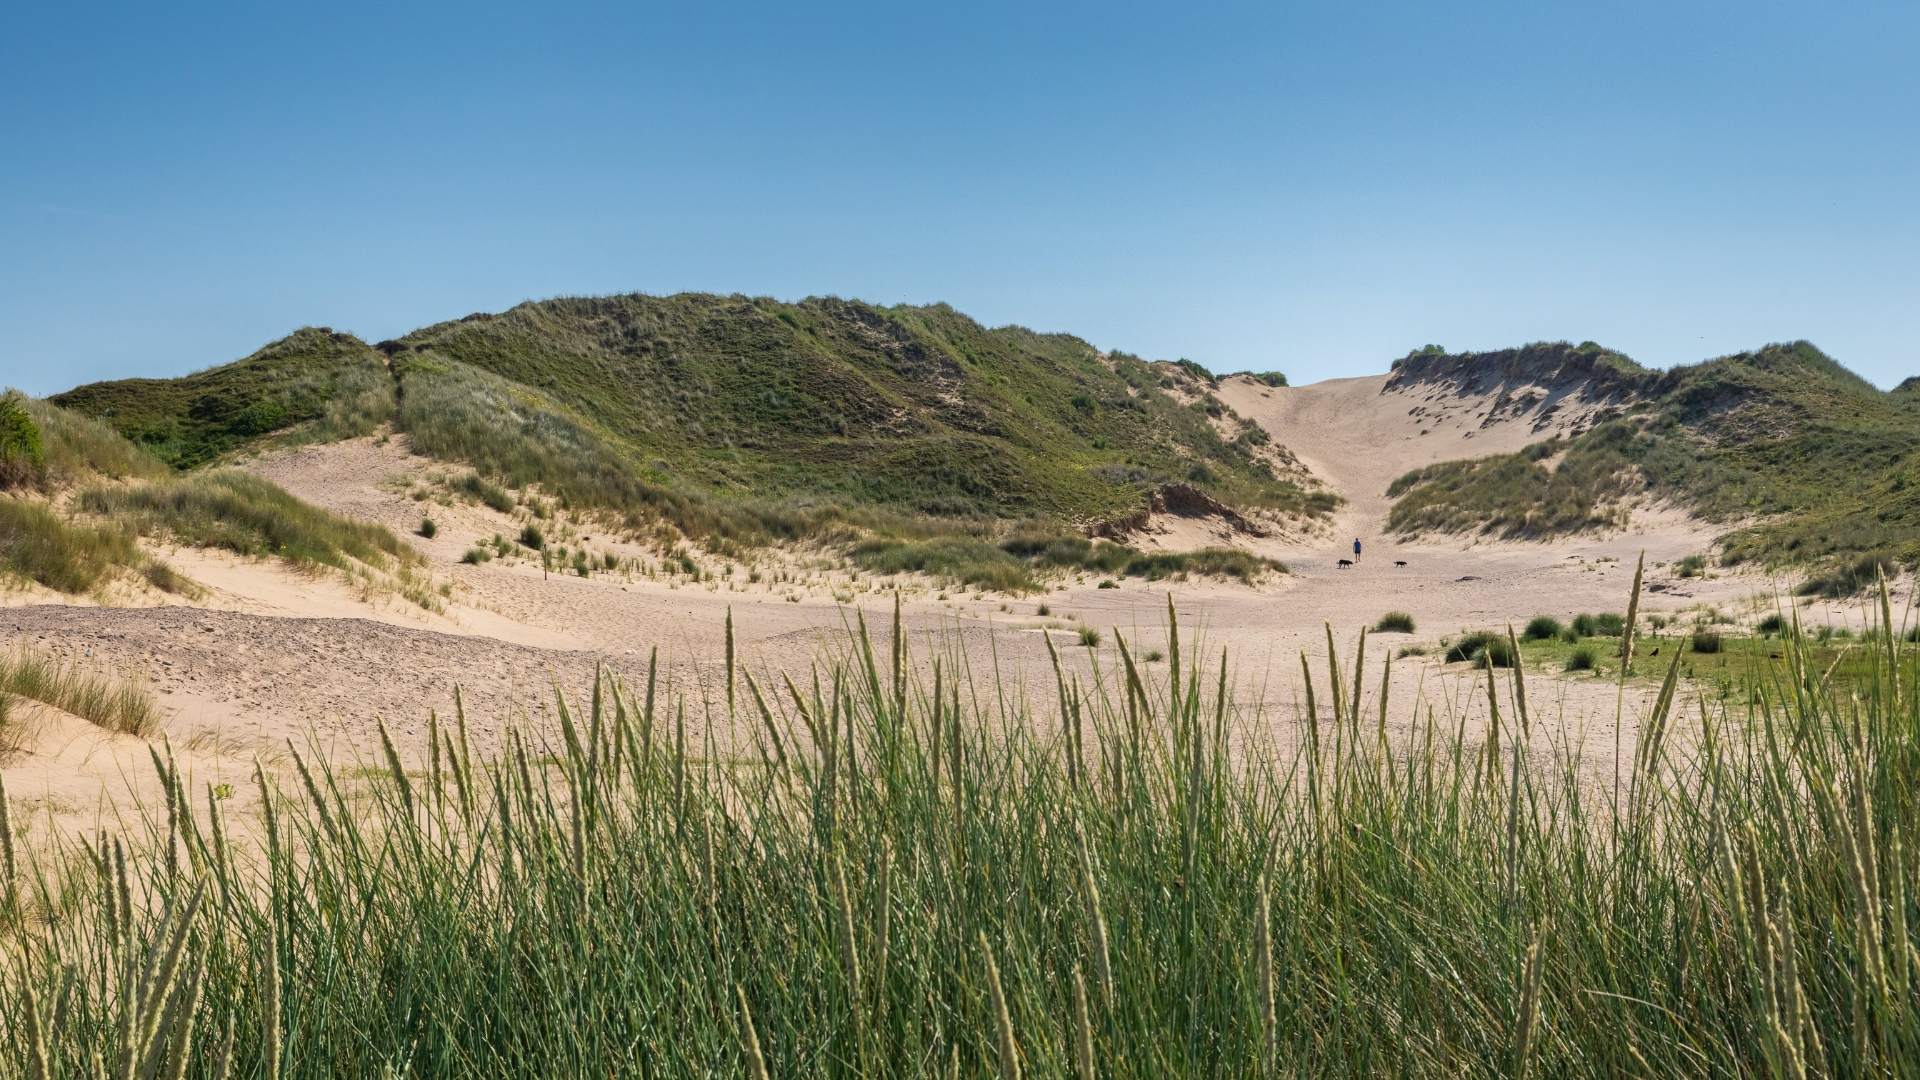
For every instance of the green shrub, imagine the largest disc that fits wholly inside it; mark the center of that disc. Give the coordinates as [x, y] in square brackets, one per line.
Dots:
[1774, 623]
[1089, 636]
[1690, 567]
[532, 537]
[485, 491]
[1483, 648]
[476, 555]
[1606, 624]
[428, 529]
[23, 455]
[38, 545]
[1706, 641]
[1580, 659]
[1394, 622]
[1542, 628]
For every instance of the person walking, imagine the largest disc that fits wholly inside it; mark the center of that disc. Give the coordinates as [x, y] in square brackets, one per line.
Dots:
[1356, 549]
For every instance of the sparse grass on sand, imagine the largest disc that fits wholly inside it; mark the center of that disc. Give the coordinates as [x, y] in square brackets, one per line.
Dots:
[1394, 622]
[913, 871]
[1016, 563]
[42, 547]
[247, 515]
[116, 704]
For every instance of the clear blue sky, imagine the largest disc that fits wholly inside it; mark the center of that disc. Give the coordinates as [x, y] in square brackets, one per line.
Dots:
[1314, 188]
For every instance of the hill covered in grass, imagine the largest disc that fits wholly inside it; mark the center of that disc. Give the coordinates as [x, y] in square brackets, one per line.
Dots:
[1801, 459]
[745, 415]
[311, 377]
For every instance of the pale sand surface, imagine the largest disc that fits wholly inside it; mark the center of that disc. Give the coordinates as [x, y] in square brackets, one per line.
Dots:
[269, 656]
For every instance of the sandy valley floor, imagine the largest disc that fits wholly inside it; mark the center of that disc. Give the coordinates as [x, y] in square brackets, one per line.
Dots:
[269, 657]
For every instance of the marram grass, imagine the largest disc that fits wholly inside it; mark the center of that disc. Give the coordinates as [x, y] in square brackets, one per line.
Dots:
[908, 874]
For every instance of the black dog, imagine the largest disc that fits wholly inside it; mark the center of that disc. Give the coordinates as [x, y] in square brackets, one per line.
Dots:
[1399, 562]
[1344, 563]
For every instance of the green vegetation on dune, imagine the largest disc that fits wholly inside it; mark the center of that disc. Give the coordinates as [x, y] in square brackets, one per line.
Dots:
[247, 515]
[79, 447]
[741, 421]
[1014, 563]
[40, 546]
[911, 874]
[314, 376]
[23, 453]
[1811, 462]
[916, 409]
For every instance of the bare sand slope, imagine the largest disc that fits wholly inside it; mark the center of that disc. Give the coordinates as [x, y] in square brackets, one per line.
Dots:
[1359, 435]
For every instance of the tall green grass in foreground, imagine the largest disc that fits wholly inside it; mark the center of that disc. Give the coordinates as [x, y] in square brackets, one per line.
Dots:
[914, 871]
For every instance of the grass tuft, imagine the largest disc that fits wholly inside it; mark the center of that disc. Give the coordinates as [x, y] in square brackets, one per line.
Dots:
[115, 704]
[1483, 648]
[1542, 628]
[247, 515]
[1394, 622]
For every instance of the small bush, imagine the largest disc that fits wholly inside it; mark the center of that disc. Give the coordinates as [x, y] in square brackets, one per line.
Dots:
[1690, 567]
[1580, 659]
[1394, 622]
[1542, 628]
[23, 456]
[428, 529]
[1606, 624]
[532, 537]
[1482, 648]
[1089, 636]
[1775, 623]
[1108, 583]
[476, 555]
[1706, 641]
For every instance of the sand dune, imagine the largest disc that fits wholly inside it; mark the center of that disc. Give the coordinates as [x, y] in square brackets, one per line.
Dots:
[271, 655]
